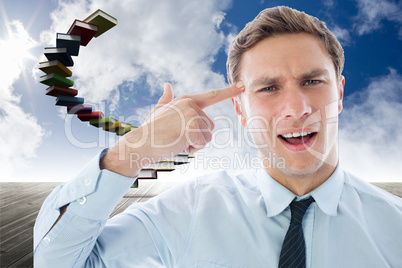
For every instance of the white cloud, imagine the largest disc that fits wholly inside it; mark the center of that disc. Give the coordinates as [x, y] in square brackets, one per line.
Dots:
[343, 35]
[20, 135]
[372, 13]
[164, 41]
[370, 138]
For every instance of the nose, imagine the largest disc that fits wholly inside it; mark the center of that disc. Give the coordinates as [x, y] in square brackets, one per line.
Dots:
[295, 103]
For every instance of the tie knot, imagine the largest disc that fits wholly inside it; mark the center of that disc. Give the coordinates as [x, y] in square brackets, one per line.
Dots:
[298, 209]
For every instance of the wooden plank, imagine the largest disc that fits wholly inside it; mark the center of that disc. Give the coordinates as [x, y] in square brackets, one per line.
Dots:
[11, 214]
[18, 252]
[19, 228]
[25, 261]
[22, 192]
[16, 234]
[23, 203]
[12, 191]
[9, 244]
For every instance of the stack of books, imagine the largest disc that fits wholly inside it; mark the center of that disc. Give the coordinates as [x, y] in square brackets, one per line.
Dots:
[57, 78]
[60, 58]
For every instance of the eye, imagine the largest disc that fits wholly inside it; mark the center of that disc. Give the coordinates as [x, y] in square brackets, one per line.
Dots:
[270, 88]
[311, 82]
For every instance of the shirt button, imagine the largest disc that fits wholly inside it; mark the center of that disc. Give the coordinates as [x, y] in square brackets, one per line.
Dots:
[87, 182]
[46, 239]
[82, 200]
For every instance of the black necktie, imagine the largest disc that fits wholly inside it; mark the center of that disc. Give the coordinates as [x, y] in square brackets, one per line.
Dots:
[293, 253]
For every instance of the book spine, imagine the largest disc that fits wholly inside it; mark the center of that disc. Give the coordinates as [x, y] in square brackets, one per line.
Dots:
[63, 57]
[84, 116]
[75, 109]
[56, 79]
[67, 100]
[57, 90]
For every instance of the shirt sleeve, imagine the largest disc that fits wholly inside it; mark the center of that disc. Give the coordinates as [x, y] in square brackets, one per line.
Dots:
[92, 196]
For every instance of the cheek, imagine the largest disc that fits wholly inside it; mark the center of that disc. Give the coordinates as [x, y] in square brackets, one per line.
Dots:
[255, 106]
[258, 119]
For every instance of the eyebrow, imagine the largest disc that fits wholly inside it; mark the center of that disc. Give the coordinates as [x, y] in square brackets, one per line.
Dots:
[314, 73]
[274, 80]
[264, 81]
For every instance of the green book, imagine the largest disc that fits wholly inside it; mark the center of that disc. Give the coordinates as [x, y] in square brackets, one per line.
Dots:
[123, 129]
[56, 79]
[101, 122]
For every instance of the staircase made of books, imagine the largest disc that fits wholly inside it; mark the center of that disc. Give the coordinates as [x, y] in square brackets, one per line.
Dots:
[60, 57]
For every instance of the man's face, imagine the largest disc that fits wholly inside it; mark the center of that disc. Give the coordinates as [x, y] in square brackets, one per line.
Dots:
[291, 104]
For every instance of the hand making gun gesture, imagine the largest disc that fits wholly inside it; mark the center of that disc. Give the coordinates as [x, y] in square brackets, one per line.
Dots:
[174, 125]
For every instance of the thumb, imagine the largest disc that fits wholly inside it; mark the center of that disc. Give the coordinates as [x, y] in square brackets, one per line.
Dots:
[167, 95]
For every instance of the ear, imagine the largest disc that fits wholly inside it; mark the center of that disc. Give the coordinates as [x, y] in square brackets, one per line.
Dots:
[341, 88]
[237, 106]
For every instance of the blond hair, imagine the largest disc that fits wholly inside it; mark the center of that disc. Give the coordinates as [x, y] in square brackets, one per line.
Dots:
[276, 21]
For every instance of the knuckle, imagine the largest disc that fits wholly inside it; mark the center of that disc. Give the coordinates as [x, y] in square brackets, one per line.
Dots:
[183, 97]
[191, 113]
[211, 125]
[208, 136]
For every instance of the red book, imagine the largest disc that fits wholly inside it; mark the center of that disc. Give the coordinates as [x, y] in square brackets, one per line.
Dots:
[85, 116]
[57, 90]
[84, 29]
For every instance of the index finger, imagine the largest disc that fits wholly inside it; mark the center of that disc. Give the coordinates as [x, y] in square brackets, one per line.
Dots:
[212, 97]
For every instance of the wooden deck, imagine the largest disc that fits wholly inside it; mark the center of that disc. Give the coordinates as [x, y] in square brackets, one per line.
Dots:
[20, 203]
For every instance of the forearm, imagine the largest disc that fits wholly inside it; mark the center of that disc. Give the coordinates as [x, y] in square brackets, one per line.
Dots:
[74, 214]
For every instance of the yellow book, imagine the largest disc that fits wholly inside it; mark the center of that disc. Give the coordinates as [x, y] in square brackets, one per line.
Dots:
[117, 127]
[111, 125]
[55, 66]
[103, 20]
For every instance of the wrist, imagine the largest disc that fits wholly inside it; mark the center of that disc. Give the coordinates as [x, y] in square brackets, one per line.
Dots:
[120, 161]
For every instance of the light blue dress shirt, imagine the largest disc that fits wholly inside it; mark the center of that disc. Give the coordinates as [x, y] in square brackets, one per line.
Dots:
[219, 220]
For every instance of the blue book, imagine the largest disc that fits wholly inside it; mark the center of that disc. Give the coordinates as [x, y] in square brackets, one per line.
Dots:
[70, 41]
[68, 100]
[59, 53]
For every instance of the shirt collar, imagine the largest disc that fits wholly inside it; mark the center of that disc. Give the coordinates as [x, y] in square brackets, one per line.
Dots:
[328, 194]
[277, 197]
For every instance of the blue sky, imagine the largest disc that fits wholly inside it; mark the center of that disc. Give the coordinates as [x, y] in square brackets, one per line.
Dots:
[184, 42]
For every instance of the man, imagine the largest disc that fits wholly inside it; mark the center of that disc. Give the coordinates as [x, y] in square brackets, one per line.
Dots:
[285, 70]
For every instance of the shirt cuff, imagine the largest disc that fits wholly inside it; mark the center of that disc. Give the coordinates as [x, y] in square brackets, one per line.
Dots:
[94, 193]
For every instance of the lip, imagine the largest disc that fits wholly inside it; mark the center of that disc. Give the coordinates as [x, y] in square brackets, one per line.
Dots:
[301, 146]
[283, 132]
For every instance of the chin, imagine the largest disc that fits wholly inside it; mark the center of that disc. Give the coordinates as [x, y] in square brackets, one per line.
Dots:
[308, 167]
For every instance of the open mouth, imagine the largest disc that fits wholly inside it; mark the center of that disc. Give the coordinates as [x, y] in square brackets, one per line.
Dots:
[296, 138]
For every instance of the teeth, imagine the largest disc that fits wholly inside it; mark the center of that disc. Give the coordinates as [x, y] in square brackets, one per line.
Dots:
[295, 134]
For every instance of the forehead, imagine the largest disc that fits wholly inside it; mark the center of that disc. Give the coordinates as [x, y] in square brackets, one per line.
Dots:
[287, 54]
